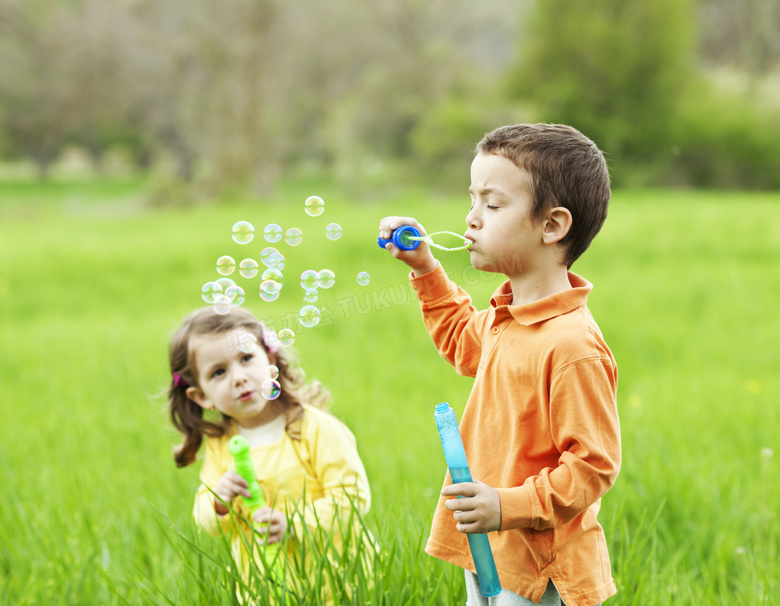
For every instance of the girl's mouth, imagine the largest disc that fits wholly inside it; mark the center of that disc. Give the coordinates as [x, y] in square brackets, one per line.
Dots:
[246, 396]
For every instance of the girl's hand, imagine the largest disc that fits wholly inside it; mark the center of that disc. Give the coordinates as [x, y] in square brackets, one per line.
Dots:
[230, 485]
[421, 260]
[271, 523]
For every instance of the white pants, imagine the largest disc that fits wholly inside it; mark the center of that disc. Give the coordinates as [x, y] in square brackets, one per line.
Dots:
[506, 597]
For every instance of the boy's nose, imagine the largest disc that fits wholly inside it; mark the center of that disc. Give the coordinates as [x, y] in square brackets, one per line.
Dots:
[472, 220]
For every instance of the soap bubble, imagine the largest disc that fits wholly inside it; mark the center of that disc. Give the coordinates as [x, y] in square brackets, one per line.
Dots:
[309, 279]
[326, 278]
[270, 287]
[226, 265]
[272, 274]
[293, 236]
[272, 232]
[270, 389]
[226, 283]
[268, 297]
[248, 268]
[209, 290]
[243, 232]
[363, 278]
[221, 304]
[272, 371]
[247, 342]
[276, 260]
[236, 295]
[314, 206]
[309, 316]
[311, 295]
[286, 337]
[266, 253]
[333, 231]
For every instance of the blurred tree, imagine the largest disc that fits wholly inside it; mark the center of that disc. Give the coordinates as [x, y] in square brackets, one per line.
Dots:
[612, 68]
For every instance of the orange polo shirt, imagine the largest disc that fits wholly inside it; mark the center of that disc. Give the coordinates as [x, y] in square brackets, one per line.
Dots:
[541, 426]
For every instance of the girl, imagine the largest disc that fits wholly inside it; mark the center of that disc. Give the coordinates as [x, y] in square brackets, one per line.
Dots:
[305, 459]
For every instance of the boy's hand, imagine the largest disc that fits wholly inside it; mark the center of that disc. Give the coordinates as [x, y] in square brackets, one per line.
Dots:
[272, 522]
[420, 260]
[230, 485]
[479, 512]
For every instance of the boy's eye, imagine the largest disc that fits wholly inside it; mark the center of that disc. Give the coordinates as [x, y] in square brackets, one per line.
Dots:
[492, 207]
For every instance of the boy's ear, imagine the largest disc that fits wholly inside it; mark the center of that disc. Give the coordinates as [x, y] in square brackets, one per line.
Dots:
[556, 225]
[196, 395]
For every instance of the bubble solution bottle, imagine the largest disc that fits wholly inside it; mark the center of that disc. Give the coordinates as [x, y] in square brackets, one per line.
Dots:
[239, 448]
[459, 472]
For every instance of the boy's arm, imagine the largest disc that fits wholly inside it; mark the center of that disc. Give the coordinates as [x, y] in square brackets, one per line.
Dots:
[455, 326]
[586, 432]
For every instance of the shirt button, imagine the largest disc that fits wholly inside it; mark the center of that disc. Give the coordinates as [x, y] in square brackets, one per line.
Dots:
[495, 330]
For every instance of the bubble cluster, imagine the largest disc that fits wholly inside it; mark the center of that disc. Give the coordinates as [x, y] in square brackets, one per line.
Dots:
[236, 295]
[269, 297]
[208, 291]
[247, 342]
[363, 278]
[226, 265]
[272, 274]
[225, 283]
[266, 253]
[248, 268]
[309, 279]
[293, 236]
[314, 206]
[309, 316]
[286, 337]
[243, 232]
[221, 304]
[276, 260]
[271, 389]
[326, 279]
[333, 231]
[272, 232]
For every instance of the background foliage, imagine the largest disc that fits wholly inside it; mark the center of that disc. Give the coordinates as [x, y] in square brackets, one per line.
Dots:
[231, 97]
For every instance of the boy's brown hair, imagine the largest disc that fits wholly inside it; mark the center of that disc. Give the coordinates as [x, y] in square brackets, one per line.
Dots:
[566, 169]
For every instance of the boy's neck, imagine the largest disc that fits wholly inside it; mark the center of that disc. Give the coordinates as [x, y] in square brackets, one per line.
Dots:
[533, 286]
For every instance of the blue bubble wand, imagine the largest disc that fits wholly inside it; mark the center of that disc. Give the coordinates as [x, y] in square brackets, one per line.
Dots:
[459, 472]
[407, 237]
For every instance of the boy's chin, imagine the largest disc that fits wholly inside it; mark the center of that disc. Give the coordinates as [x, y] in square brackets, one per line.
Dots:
[507, 267]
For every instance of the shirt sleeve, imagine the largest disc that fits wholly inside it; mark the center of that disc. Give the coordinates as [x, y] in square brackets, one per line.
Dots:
[213, 468]
[453, 323]
[338, 466]
[586, 432]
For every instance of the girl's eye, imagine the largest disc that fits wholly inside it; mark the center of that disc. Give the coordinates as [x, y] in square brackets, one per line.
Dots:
[247, 357]
[217, 372]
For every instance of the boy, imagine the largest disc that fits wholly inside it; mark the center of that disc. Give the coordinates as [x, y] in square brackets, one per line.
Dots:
[540, 427]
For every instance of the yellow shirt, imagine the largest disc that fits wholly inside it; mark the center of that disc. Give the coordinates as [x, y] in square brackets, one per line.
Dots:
[325, 460]
[541, 426]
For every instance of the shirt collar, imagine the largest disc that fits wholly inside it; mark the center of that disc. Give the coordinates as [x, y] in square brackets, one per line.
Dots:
[544, 309]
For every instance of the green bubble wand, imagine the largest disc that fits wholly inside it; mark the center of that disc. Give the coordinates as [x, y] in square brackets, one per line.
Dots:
[239, 448]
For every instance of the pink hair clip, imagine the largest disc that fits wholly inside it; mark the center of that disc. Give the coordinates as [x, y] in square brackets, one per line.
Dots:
[178, 380]
[270, 338]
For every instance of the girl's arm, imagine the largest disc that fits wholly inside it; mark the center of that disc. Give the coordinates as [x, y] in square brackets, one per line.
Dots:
[337, 464]
[215, 465]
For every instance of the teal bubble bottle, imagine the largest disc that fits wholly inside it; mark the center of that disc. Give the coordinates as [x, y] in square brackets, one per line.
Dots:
[459, 472]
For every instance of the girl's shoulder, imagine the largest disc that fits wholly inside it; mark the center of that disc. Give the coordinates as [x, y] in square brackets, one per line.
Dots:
[316, 421]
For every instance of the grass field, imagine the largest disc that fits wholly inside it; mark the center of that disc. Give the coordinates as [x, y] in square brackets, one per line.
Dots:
[93, 510]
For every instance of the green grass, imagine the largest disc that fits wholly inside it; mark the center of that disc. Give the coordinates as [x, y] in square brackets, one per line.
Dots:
[94, 510]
